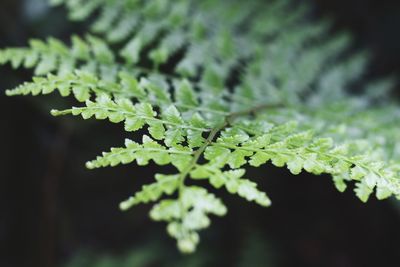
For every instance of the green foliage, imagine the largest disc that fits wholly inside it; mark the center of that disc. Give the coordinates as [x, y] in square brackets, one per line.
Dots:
[290, 105]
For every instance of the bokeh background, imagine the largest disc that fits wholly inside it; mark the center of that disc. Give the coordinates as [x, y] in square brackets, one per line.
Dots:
[54, 212]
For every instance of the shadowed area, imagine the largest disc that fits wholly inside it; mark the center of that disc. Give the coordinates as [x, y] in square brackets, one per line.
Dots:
[55, 212]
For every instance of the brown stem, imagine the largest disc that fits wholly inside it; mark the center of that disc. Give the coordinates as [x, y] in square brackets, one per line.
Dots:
[213, 133]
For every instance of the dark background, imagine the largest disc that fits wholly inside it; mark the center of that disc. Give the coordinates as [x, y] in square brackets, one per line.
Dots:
[53, 210]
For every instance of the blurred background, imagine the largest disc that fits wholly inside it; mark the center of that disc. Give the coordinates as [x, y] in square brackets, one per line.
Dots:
[54, 212]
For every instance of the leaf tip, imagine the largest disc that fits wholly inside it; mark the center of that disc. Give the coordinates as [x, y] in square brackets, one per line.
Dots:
[55, 112]
[125, 205]
[89, 165]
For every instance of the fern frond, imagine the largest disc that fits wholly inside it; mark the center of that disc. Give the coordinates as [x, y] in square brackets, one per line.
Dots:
[248, 84]
[165, 184]
[53, 56]
[168, 126]
[141, 153]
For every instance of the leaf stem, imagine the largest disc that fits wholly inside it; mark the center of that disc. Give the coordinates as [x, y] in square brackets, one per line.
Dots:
[213, 133]
[193, 162]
